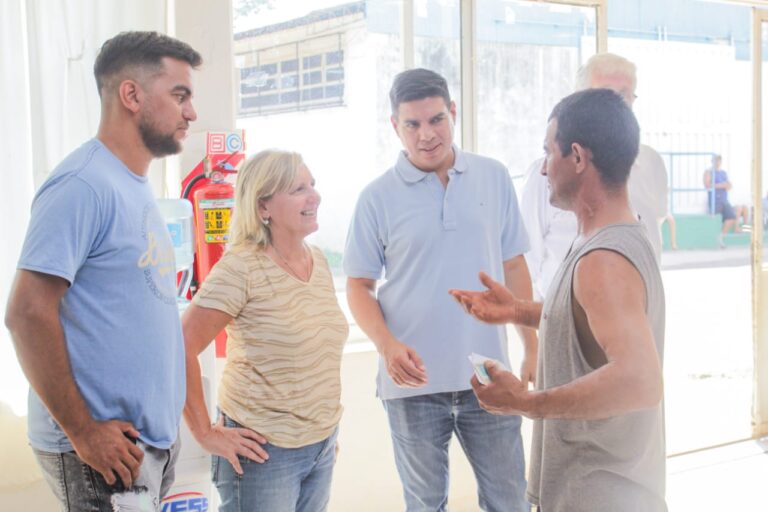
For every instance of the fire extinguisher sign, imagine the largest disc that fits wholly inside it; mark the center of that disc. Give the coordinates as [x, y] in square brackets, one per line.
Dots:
[217, 214]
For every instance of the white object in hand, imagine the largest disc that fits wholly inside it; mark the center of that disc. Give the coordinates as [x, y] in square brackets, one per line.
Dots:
[478, 364]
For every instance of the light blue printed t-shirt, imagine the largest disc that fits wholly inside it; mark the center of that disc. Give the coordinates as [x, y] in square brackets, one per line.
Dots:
[428, 239]
[96, 224]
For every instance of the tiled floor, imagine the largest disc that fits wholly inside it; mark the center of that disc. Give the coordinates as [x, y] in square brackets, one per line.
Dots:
[729, 478]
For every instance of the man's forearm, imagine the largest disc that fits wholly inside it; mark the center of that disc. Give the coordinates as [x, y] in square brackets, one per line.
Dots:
[41, 350]
[608, 391]
[367, 313]
[527, 313]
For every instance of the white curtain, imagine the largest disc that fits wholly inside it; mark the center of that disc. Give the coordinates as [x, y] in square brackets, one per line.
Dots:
[16, 156]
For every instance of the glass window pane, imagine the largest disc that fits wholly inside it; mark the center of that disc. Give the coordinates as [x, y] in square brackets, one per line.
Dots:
[332, 75]
[312, 61]
[334, 57]
[289, 81]
[527, 57]
[289, 65]
[437, 45]
[312, 78]
[332, 63]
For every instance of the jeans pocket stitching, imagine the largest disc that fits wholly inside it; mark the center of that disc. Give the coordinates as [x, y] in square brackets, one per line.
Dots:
[63, 479]
[91, 478]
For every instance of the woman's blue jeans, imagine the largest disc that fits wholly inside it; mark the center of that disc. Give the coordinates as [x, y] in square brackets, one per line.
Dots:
[292, 479]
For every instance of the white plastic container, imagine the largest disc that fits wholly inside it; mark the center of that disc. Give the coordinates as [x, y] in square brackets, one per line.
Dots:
[178, 217]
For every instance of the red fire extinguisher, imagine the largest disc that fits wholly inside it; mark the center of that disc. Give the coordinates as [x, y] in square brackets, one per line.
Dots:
[213, 205]
[213, 202]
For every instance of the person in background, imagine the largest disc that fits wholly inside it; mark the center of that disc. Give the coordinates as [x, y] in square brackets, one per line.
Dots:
[717, 184]
[93, 312]
[430, 221]
[598, 434]
[274, 445]
[552, 230]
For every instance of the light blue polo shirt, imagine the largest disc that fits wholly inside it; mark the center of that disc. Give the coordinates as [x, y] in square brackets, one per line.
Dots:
[428, 239]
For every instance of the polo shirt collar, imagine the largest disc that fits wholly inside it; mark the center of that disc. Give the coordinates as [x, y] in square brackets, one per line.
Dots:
[410, 174]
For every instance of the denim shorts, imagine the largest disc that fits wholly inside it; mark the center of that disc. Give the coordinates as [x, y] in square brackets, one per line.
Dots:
[292, 479]
[79, 487]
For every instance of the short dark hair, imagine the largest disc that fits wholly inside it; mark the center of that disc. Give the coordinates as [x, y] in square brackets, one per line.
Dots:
[141, 49]
[417, 84]
[601, 121]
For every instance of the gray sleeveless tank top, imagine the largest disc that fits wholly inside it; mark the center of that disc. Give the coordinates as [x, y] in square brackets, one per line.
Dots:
[609, 465]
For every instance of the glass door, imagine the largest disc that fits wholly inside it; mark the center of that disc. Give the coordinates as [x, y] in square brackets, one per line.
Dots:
[760, 201]
[527, 55]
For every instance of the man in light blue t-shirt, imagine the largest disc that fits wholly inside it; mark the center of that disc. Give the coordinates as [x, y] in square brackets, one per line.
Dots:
[93, 312]
[431, 223]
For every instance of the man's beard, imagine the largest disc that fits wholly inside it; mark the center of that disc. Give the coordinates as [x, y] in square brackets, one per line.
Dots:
[159, 144]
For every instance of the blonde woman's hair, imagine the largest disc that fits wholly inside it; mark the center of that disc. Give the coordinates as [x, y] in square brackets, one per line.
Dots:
[262, 176]
[605, 64]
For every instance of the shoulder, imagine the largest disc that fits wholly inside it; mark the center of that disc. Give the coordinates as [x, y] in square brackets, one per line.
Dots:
[383, 185]
[618, 243]
[485, 164]
[602, 274]
[489, 174]
[241, 258]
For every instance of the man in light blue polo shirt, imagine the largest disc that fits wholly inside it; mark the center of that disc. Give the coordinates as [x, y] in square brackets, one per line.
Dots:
[431, 223]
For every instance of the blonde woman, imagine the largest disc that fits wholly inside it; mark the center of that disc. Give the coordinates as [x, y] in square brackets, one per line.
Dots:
[274, 443]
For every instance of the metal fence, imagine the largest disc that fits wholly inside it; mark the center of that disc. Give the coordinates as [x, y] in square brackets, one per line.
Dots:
[686, 181]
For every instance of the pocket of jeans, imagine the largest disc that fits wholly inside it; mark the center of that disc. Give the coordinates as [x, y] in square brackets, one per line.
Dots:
[53, 470]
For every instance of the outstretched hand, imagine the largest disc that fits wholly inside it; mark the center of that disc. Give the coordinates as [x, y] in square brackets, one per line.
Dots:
[496, 305]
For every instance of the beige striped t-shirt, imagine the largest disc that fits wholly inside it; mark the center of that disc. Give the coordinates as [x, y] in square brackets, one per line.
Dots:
[284, 346]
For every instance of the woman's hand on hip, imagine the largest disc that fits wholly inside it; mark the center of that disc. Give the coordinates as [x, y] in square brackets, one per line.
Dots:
[229, 442]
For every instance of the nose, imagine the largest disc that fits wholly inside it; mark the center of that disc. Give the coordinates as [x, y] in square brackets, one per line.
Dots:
[189, 113]
[426, 132]
[543, 169]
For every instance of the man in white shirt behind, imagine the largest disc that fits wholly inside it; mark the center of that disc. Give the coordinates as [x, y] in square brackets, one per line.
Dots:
[551, 230]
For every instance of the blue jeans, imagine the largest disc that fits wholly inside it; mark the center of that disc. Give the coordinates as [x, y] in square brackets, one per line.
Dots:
[422, 427]
[79, 487]
[292, 479]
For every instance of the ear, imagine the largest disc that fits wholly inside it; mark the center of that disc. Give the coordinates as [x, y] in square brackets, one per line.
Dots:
[393, 120]
[452, 110]
[131, 95]
[581, 157]
[263, 210]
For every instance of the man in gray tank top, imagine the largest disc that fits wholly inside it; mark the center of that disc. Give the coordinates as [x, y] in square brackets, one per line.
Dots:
[598, 436]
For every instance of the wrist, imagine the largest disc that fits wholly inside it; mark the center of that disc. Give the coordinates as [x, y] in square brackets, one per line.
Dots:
[79, 428]
[200, 430]
[385, 345]
[534, 405]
